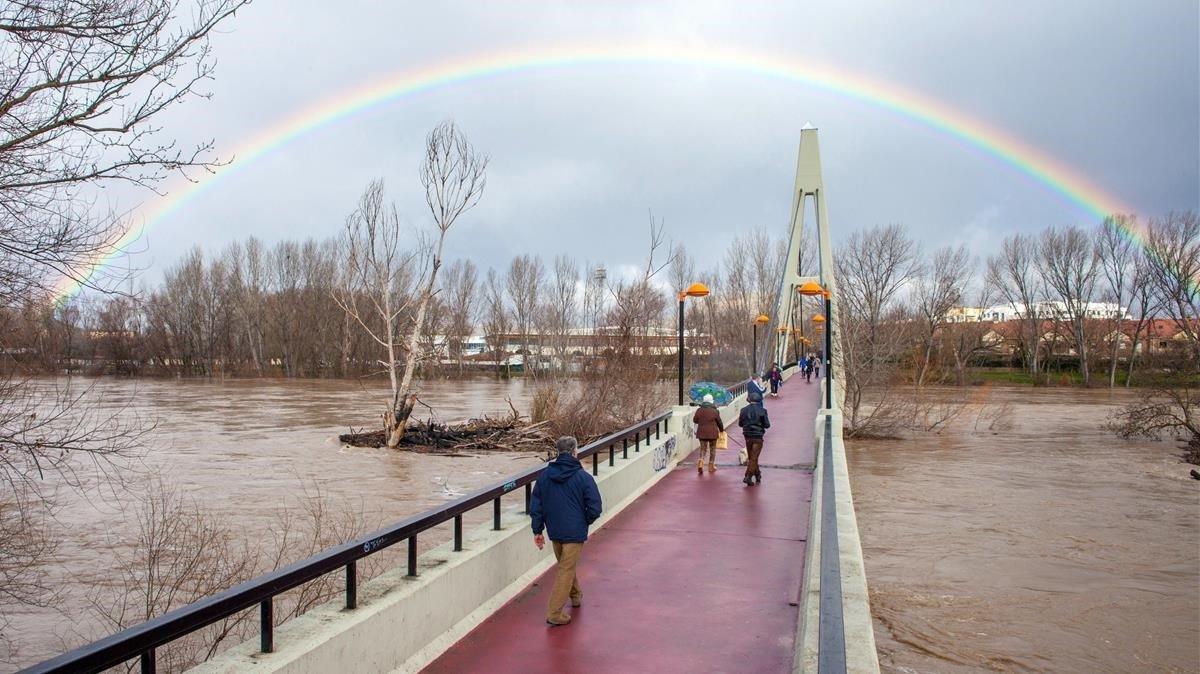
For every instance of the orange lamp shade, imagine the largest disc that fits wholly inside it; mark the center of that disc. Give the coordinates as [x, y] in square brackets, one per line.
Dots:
[696, 290]
[810, 288]
[762, 319]
[818, 319]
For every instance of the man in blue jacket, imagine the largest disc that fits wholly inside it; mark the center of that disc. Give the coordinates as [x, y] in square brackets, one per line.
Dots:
[565, 501]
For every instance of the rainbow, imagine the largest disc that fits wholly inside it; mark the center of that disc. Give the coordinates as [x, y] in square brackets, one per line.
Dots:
[1060, 178]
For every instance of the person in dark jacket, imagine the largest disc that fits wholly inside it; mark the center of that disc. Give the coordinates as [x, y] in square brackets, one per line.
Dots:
[754, 422]
[776, 377]
[756, 385]
[708, 427]
[565, 501]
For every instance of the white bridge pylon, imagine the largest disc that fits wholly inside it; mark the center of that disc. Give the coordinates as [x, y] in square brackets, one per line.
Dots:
[808, 186]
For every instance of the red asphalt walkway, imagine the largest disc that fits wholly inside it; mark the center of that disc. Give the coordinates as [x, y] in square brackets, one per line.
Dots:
[697, 575]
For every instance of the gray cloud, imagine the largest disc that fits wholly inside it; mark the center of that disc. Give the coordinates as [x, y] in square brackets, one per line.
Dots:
[580, 154]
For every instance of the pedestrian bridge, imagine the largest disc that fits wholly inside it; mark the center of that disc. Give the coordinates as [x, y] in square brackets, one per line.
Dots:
[682, 573]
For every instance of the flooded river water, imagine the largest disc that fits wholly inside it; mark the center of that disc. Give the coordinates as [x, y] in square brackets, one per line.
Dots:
[1026, 540]
[242, 449]
[1040, 543]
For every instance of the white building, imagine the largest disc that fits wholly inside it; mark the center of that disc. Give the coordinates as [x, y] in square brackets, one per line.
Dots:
[1010, 312]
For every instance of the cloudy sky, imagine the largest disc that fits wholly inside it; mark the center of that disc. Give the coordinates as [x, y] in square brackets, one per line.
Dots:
[580, 154]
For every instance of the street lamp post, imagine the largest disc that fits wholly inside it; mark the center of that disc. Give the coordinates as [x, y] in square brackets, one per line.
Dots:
[762, 319]
[694, 290]
[813, 289]
[828, 354]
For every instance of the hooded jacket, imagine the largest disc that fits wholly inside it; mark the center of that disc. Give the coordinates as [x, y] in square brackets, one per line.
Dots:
[754, 420]
[565, 501]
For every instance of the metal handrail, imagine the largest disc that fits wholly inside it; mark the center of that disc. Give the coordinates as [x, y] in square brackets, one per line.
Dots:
[739, 388]
[141, 640]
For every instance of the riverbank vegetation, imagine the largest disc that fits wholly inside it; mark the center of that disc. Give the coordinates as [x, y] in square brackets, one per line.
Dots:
[1066, 307]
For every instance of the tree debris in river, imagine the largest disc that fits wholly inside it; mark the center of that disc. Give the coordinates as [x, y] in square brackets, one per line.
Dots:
[512, 434]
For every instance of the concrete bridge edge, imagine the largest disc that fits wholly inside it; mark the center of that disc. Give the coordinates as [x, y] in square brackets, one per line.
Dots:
[861, 655]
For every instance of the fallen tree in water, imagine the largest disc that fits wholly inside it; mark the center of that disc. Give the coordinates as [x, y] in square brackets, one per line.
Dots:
[512, 433]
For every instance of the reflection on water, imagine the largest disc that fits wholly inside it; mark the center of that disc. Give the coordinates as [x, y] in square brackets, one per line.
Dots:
[1051, 546]
[241, 449]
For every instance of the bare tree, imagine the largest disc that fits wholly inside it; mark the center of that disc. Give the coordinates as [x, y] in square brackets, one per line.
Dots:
[1168, 410]
[382, 274]
[683, 269]
[1173, 252]
[29, 547]
[1115, 253]
[82, 84]
[524, 283]
[454, 176]
[624, 388]
[966, 342]
[563, 305]
[1069, 266]
[872, 268]
[247, 290]
[1143, 304]
[183, 553]
[460, 286]
[1012, 275]
[936, 291]
[496, 317]
[379, 283]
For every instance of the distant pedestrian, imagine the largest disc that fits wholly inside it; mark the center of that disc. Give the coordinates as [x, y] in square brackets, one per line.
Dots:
[775, 375]
[808, 369]
[708, 427]
[817, 367]
[754, 422]
[565, 501]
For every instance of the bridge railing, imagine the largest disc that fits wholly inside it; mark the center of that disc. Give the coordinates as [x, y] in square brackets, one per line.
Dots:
[140, 641]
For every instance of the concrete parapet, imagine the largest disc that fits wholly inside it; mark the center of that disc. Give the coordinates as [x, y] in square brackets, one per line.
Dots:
[857, 627]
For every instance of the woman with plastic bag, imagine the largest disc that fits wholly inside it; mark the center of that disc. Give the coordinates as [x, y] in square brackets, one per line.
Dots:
[708, 428]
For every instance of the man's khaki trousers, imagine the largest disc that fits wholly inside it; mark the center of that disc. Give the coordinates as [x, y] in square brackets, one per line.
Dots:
[566, 585]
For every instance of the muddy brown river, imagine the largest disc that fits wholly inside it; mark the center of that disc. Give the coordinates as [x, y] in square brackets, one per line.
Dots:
[243, 449]
[1023, 539]
[1040, 543]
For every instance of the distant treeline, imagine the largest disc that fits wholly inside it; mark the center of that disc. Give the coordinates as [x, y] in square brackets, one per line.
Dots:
[257, 310]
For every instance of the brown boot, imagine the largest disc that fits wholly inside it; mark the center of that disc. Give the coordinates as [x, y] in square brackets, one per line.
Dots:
[700, 467]
[558, 620]
[712, 466]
